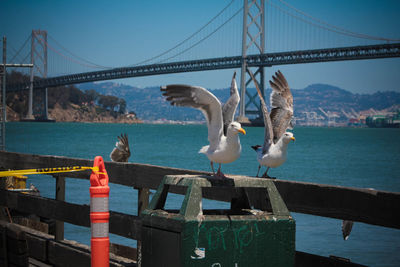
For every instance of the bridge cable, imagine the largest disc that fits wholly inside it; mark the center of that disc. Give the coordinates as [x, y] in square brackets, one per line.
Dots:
[338, 29]
[67, 57]
[188, 38]
[17, 53]
[74, 55]
[312, 23]
[204, 38]
[15, 56]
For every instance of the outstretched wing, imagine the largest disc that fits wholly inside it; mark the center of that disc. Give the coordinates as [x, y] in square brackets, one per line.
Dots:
[281, 105]
[268, 133]
[199, 98]
[229, 108]
[121, 152]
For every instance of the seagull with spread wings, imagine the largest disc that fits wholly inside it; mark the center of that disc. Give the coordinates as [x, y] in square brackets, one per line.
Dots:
[223, 131]
[121, 151]
[273, 152]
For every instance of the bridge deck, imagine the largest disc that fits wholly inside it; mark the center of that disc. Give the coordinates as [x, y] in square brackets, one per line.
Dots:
[263, 60]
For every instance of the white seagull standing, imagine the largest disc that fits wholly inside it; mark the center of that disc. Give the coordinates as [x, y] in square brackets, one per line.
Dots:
[223, 132]
[121, 151]
[273, 153]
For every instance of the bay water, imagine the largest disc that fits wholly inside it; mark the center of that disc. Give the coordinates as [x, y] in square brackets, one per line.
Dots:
[354, 157]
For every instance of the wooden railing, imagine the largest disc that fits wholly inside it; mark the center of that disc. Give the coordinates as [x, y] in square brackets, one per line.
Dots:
[355, 204]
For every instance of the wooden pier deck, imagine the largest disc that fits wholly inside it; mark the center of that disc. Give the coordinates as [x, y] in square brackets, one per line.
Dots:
[360, 205]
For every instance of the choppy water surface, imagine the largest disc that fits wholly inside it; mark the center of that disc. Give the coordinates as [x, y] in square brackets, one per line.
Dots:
[355, 157]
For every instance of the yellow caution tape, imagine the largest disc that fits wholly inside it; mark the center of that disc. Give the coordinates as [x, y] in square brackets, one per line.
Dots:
[48, 170]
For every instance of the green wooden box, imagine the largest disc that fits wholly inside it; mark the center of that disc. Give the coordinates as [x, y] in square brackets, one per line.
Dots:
[240, 236]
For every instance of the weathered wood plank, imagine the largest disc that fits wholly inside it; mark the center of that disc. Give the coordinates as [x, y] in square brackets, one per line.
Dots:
[17, 259]
[363, 205]
[303, 259]
[3, 245]
[44, 248]
[354, 204]
[36, 263]
[123, 251]
[70, 253]
[37, 246]
[129, 174]
[36, 240]
[60, 195]
[32, 223]
[62, 255]
[120, 224]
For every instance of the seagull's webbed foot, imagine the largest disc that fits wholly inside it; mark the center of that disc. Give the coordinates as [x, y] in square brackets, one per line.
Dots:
[265, 175]
[220, 175]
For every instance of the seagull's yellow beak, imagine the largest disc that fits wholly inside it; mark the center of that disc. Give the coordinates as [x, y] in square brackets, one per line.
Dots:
[294, 139]
[241, 130]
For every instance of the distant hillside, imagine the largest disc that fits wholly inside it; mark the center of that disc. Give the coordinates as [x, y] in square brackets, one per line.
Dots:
[68, 103]
[334, 99]
[149, 104]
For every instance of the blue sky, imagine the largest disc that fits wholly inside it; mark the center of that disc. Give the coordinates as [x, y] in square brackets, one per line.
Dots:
[120, 33]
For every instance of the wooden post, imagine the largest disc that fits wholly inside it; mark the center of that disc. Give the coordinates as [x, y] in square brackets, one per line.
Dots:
[143, 203]
[60, 195]
[143, 199]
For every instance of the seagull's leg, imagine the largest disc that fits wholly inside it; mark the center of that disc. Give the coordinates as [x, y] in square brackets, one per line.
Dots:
[219, 169]
[212, 167]
[265, 175]
[258, 171]
[219, 173]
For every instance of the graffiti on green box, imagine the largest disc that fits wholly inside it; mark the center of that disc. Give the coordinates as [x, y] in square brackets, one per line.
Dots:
[220, 237]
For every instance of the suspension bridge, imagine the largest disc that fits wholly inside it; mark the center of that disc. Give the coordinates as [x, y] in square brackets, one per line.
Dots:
[260, 33]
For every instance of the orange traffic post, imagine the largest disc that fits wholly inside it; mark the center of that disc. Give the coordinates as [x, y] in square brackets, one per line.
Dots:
[99, 214]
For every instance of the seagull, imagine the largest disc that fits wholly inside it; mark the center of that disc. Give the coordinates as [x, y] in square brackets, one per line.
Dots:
[223, 131]
[34, 190]
[121, 151]
[273, 152]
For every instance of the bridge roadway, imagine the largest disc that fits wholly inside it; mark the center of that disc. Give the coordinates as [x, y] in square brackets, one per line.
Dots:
[266, 60]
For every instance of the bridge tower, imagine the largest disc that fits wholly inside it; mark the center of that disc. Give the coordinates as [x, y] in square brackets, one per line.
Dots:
[39, 61]
[3, 106]
[253, 37]
[3, 92]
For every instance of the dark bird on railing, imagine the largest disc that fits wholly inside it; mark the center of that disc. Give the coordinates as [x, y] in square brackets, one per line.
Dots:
[121, 152]
[223, 131]
[273, 152]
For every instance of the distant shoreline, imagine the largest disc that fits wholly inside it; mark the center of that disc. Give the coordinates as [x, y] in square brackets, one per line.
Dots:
[75, 113]
[159, 122]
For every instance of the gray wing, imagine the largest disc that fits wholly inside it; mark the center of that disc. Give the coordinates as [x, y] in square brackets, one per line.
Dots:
[281, 105]
[121, 152]
[199, 98]
[229, 108]
[268, 133]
